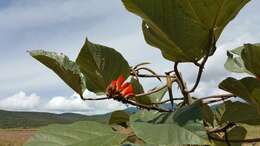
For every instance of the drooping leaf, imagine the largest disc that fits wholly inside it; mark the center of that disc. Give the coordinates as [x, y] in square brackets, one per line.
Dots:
[183, 29]
[67, 70]
[77, 134]
[119, 117]
[185, 126]
[247, 88]
[251, 57]
[101, 65]
[147, 99]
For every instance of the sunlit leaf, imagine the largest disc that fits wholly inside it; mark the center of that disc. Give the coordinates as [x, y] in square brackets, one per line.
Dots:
[67, 70]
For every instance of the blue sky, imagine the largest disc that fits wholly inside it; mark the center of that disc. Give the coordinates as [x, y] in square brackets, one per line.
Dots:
[62, 25]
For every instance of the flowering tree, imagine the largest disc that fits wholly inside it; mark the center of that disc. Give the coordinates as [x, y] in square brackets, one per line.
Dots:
[185, 31]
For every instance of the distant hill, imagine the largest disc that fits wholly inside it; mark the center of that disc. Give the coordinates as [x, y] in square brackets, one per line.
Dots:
[17, 119]
[14, 119]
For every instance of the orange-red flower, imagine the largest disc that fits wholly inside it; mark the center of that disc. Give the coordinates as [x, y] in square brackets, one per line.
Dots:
[119, 88]
[258, 77]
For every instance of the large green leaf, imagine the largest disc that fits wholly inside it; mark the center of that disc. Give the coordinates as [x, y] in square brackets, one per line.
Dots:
[67, 70]
[147, 99]
[101, 65]
[183, 29]
[232, 112]
[184, 126]
[251, 57]
[247, 88]
[77, 134]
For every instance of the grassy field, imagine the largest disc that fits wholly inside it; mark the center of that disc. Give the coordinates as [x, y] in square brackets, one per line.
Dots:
[15, 137]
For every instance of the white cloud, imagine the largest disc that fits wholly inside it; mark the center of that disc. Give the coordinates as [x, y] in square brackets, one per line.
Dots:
[60, 104]
[20, 101]
[75, 104]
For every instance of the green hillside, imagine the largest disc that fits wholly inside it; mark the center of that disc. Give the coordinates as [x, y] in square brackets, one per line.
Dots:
[11, 119]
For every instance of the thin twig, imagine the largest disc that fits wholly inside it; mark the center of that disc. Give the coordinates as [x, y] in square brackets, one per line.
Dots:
[148, 107]
[140, 64]
[165, 101]
[101, 98]
[211, 45]
[201, 67]
[149, 70]
[235, 140]
[169, 87]
[182, 85]
[151, 91]
[135, 74]
[223, 128]
[151, 76]
[218, 96]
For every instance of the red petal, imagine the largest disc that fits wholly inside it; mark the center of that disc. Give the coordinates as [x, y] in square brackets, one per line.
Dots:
[119, 81]
[127, 90]
[126, 84]
[113, 83]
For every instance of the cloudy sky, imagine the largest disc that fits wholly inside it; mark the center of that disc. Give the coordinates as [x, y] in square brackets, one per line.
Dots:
[62, 26]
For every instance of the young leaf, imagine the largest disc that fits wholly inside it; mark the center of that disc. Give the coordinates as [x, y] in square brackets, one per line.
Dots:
[101, 65]
[67, 70]
[182, 29]
[77, 134]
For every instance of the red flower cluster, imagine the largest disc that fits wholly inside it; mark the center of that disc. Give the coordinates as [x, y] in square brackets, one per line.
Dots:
[119, 88]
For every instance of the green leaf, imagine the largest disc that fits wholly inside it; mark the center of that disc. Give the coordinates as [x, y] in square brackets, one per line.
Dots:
[182, 29]
[251, 57]
[235, 64]
[184, 126]
[147, 99]
[101, 65]
[235, 61]
[234, 110]
[247, 88]
[77, 134]
[67, 70]
[119, 117]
